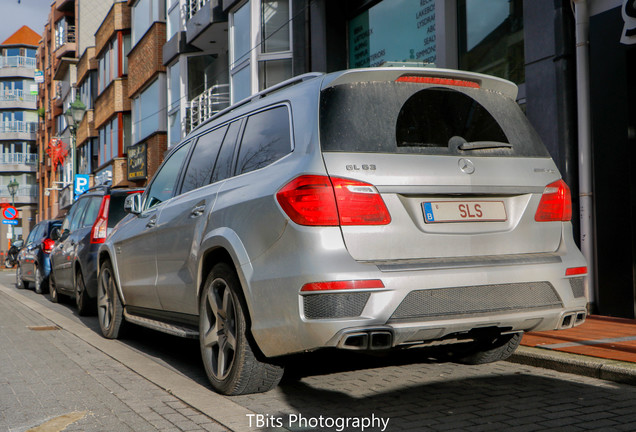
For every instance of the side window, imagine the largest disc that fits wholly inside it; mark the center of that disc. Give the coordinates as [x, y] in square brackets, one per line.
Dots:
[91, 212]
[163, 185]
[77, 216]
[223, 167]
[199, 171]
[66, 225]
[265, 140]
[32, 235]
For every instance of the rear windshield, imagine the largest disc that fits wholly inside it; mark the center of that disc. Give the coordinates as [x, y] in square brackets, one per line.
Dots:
[116, 209]
[396, 117]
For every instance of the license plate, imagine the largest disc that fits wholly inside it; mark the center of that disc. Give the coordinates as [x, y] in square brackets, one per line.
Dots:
[464, 211]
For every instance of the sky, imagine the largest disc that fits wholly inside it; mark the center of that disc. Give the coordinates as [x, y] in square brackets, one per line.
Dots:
[14, 15]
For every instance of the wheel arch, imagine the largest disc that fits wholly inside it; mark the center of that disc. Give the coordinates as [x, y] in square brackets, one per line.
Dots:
[102, 256]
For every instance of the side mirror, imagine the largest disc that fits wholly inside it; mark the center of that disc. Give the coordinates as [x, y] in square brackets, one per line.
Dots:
[64, 235]
[132, 204]
[55, 234]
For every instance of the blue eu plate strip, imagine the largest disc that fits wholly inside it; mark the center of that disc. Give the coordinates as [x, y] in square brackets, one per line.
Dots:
[428, 212]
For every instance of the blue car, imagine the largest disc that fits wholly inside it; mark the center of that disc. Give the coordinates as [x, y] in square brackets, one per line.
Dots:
[34, 259]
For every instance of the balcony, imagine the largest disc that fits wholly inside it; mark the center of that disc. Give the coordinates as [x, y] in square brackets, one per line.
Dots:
[209, 103]
[17, 99]
[18, 130]
[17, 66]
[18, 162]
[65, 41]
[25, 195]
[206, 25]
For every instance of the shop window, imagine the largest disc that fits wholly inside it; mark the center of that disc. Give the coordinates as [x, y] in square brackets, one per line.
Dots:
[393, 31]
[490, 38]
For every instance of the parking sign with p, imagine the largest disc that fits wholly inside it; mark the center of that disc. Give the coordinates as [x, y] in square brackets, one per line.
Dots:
[81, 184]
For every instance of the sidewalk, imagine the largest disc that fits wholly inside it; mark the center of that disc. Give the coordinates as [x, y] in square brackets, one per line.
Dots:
[601, 347]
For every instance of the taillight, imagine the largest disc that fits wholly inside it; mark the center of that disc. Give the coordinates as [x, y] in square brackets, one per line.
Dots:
[555, 204]
[47, 245]
[438, 81]
[100, 227]
[322, 201]
[343, 285]
[573, 271]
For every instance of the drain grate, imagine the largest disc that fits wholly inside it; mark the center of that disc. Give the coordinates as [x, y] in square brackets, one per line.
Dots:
[43, 328]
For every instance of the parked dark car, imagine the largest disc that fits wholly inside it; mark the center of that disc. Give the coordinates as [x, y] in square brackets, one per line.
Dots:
[84, 229]
[33, 260]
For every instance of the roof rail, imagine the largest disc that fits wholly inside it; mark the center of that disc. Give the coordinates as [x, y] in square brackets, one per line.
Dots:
[262, 94]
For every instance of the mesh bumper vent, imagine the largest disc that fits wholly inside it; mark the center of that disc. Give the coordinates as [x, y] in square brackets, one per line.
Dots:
[480, 299]
[578, 287]
[325, 306]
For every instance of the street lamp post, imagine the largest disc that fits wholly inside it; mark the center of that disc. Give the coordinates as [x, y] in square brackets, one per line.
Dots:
[13, 190]
[74, 115]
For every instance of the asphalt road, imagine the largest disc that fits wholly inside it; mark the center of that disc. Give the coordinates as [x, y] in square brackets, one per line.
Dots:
[335, 391]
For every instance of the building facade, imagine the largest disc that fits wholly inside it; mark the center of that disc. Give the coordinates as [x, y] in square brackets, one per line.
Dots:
[18, 124]
[181, 61]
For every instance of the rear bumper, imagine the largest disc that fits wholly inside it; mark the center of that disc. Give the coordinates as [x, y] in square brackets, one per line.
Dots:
[416, 306]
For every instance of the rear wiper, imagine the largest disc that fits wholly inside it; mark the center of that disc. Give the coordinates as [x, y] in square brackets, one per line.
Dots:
[461, 144]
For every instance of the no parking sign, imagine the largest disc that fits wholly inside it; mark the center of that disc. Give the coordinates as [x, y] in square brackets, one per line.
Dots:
[10, 212]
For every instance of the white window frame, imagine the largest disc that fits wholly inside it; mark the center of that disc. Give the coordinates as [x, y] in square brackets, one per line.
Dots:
[255, 55]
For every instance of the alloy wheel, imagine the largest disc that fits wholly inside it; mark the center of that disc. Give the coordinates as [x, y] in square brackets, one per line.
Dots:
[105, 293]
[219, 342]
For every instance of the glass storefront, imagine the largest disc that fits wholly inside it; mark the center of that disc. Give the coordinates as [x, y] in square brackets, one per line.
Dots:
[393, 31]
[490, 38]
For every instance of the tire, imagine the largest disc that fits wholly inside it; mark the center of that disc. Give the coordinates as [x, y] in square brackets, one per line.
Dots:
[110, 311]
[53, 295]
[498, 349]
[19, 282]
[85, 304]
[230, 363]
[7, 263]
[38, 282]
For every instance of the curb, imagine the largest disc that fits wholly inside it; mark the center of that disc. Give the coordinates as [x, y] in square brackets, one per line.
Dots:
[593, 367]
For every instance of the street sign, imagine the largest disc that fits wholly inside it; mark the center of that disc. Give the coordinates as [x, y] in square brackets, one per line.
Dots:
[10, 222]
[10, 212]
[81, 184]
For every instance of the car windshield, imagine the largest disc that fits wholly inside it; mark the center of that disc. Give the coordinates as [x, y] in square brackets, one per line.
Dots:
[394, 117]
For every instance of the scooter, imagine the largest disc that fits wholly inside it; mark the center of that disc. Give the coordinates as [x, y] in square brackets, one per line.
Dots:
[12, 255]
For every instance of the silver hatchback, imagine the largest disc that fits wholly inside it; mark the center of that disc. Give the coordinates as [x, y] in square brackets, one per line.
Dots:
[368, 209]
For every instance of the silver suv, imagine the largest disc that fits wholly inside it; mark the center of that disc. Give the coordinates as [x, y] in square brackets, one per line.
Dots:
[368, 209]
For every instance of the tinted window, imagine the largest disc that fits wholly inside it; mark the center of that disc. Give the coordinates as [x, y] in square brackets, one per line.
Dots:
[163, 185]
[394, 117]
[67, 220]
[265, 140]
[33, 234]
[92, 209]
[199, 171]
[116, 209]
[77, 215]
[223, 167]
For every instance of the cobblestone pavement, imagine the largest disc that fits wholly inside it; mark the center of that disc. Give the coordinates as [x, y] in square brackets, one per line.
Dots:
[410, 391]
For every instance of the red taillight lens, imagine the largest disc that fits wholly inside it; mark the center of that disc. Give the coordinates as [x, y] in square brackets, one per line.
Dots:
[359, 203]
[438, 81]
[100, 227]
[322, 201]
[309, 200]
[343, 285]
[555, 204]
[47, 245]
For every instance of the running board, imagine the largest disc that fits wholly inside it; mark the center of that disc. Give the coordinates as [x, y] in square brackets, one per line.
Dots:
[172, 329]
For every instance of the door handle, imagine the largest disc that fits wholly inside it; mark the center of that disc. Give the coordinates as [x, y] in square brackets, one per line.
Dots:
[152, 222]
[197, 211]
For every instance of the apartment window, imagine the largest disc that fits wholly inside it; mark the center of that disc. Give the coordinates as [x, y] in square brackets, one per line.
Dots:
[88, 90]
[109, 139]
[490, 38]
[269, 62]
[144, 14]
[174, 112]
[113, 61]
[174, 18]
[149, 110]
